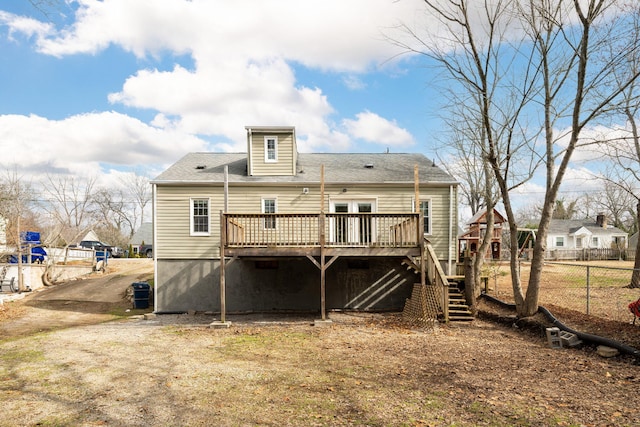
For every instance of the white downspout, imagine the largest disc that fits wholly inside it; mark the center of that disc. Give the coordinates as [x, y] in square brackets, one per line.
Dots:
[154, 245]
[450, 227]
[250, 152]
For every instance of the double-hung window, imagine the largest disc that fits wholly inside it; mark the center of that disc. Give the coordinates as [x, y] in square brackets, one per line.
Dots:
[200, 217]
[559, 241]
[270, 149]
[269, 207]
[425, 210]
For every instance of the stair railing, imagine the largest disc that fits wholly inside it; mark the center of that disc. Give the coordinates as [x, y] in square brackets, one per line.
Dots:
[437, 278]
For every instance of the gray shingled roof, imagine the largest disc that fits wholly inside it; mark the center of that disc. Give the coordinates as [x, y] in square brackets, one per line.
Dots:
[570, 226]
[143, 234]
[339, 168]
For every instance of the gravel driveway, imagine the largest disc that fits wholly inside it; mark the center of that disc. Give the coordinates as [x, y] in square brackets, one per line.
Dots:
[94, 299]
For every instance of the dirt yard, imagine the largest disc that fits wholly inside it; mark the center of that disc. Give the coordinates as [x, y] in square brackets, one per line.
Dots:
[362, 369]
[92, 300]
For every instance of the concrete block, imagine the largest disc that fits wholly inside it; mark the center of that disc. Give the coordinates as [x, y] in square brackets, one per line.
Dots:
[216, 324]
[320, 322]
[149, 316]
[569, 340]
[553, 338]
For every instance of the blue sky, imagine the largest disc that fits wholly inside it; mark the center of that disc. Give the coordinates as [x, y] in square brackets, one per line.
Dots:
[118, 85]
[103, 88]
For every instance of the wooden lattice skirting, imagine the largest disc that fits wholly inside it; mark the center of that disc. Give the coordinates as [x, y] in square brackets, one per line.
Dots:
[422, 308]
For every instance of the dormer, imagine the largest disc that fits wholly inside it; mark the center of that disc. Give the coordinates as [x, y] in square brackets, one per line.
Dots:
[271, 150]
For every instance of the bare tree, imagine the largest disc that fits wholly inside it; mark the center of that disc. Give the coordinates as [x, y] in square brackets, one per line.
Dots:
[617, 201]
[111, 210]
[463, 160]
[140, 191]
[491, 85]
[562, 45]
[478, 188]
[17, 196]
[625, 150]
[70, 201]
[565, 209]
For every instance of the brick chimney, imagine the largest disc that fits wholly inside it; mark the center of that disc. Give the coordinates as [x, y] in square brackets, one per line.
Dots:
[601, 220]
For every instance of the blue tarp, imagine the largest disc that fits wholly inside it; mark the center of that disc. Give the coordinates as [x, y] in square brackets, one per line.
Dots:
[37, 255]
[30, 237]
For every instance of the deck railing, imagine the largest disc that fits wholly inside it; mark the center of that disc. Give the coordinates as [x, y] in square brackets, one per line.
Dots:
[334, 229]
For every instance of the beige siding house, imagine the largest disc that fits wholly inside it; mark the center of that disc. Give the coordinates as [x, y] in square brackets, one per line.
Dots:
[274, 230]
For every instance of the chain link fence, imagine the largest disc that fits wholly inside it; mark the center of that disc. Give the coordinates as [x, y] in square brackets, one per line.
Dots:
[593, 289]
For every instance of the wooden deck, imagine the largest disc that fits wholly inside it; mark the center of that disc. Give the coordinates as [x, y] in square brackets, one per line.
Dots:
[324, 237]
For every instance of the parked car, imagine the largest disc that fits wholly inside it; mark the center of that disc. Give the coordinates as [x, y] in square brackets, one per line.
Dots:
[146, 250]
[96, 245]
[117, 252]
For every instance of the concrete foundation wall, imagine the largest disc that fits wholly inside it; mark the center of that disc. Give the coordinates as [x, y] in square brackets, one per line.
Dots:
[32, 273]
[283, 285]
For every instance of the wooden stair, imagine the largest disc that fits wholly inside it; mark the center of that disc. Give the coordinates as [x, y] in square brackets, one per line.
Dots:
[458, 307]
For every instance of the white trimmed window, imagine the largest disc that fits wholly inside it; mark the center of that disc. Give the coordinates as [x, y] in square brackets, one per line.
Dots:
[270, 149]
[269, 206]
[559, 241]
[595, 242]
[200, 217]
[425, 210]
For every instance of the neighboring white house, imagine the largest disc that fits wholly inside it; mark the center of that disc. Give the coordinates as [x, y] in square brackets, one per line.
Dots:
[91, 235]
[570, 234]
[144, 235]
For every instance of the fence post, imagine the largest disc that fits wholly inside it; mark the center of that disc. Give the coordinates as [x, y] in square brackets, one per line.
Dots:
[588, 290]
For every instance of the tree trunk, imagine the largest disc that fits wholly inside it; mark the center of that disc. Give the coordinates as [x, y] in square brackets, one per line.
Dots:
[478, 260]
[635, 276]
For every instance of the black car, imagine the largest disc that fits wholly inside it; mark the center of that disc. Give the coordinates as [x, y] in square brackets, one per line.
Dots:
[96, 245]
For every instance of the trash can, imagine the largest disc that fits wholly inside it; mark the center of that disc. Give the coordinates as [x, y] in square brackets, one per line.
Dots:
[141, 294]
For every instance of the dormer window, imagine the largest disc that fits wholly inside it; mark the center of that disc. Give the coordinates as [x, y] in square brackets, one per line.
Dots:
[270, 149]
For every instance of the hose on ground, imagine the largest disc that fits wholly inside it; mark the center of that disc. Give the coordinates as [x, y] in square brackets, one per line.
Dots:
[46, 280]
[169, 312]
[594, 339]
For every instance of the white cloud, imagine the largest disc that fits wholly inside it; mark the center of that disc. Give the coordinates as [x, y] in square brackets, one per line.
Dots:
[223, 100]
[580, 180]
[25, 26]
[80, 144]
[373, 128]
[353, 82]
[332, 34]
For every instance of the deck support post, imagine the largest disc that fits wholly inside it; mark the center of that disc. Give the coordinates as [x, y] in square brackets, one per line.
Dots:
[323, 309]
[223, 242]
[322, 238]
[420, 230]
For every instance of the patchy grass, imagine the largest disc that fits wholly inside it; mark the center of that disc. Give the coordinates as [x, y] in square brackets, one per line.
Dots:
[363, 370]
[600, 293]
